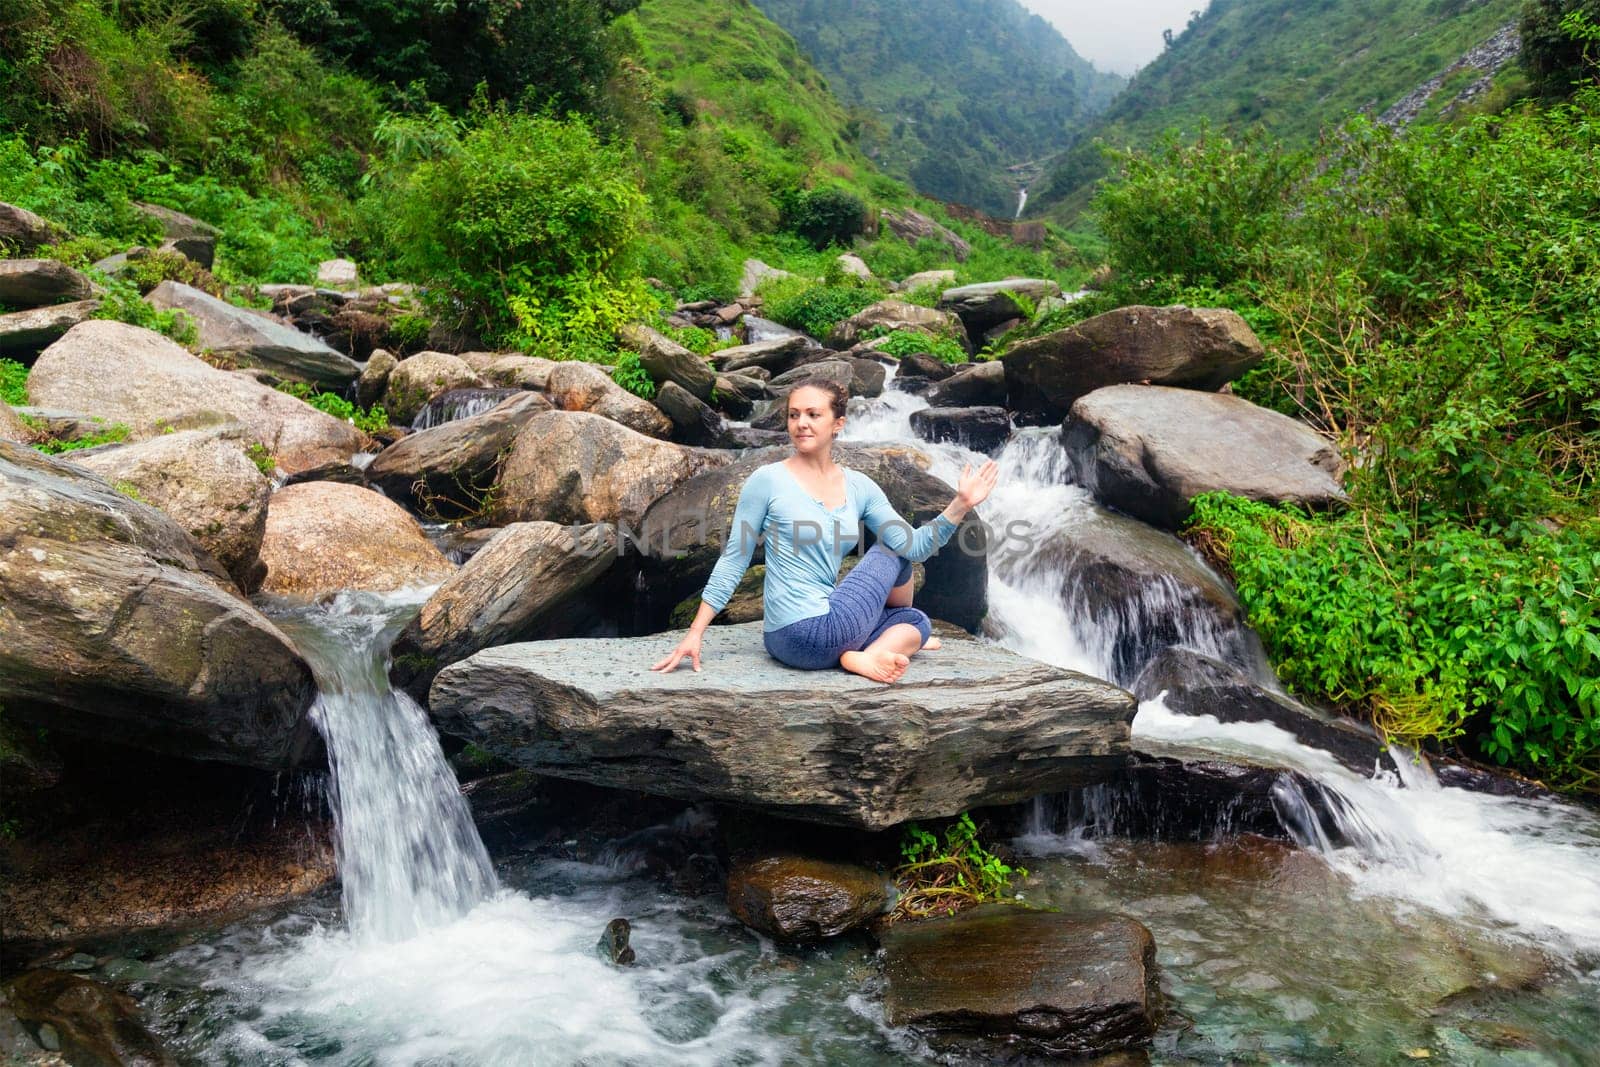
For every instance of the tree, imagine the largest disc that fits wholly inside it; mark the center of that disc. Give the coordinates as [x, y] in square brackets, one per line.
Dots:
[1560, 44]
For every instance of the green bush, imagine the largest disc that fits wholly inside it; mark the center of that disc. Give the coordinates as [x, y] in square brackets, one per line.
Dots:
[123, 302]
[1560, 44]
[1433, 633]
[899, 343]
[111, 434]
[528, 223]
[631, 375]
[823, 217]
[815, 309]
[13, 383]
[941, 875]
[367, 420]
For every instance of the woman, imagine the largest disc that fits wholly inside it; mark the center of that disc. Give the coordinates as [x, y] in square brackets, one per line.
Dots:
[806, 509]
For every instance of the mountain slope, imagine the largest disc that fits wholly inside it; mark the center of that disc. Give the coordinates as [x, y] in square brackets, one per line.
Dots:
[1293, 68]
[953, 91]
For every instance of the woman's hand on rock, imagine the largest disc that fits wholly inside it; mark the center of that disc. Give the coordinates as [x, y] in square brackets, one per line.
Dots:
[689, 646]
[975, 485]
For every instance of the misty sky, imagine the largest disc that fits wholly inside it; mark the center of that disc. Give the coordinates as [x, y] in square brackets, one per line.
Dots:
[1119, 36]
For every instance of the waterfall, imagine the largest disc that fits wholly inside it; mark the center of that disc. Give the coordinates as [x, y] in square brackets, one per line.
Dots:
[409, 856]
[1022, 200]
[1531, 867]
[459, 404]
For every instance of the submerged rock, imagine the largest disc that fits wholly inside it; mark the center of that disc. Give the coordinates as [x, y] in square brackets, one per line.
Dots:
[89, 1021]
[325, 537]
[114, 623]
[1195, 348]
[137, 377]
[970, 725]
[1199, 685]
[1045, 982]
[1150, 450]
[253, 339]
[614, 947]
[793, 898]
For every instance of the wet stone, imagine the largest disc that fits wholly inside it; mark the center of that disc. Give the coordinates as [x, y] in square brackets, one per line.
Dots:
[613, 946]
[793, 898]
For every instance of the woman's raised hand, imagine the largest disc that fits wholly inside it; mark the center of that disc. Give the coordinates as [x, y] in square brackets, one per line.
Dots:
[689, 646]
[975, 485]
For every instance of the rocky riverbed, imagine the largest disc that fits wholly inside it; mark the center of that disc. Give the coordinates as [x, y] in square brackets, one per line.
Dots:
[244, 600]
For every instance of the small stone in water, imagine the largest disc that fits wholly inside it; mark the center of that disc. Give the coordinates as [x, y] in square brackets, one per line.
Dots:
[614, 945]
[49, 1040]
[78, 961]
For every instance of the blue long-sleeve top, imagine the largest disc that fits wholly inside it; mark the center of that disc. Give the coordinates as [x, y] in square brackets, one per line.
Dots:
[805, 541]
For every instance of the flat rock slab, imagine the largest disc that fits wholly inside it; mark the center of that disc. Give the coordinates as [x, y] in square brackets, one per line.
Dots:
[27, 332]
[1053, 983]
[254, 339]
[971, 725]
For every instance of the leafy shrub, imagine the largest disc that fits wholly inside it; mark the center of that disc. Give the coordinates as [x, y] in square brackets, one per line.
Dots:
[1433, 634]
[816, 309]
[122, 302]
[823, 216]
[698, 339]
[13, 383]
[528, 222]
[367, 420]
[1560, 43]
[899, 343]
[113, 433]
[631, 375]
[941, 876]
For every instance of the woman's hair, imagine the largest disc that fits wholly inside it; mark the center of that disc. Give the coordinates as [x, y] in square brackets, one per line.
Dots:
[836, 393]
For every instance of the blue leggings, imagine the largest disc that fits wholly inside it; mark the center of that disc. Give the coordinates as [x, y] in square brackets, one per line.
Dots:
[856, 615]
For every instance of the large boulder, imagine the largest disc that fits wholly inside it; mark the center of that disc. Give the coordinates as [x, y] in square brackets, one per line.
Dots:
[665, 360]
[577, 386]
[449, 470]
[895, 314]
[1128, 589]
[418, 379]
[682, 535]
[912, 226]
[204, 480]
[522, 579]
[338, 274]
[970, 725]
[374, 380]
[116, 625]
[519, 372]
[984, 306]
[982, 429]
[573, 467]
[1150, 450]
[326, 537]
[23, 333]
[694, 422]
[775, 354]
[755, 273]
[1199, 685]
[31, 283]
[1038, 981]
[175, 224]
[799, 899]
[23, 231]
[927, 279]
[253, 339]
[980, 385]
[1195, 348]
[137, 377]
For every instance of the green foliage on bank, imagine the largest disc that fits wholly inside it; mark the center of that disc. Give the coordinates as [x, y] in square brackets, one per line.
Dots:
[367, 420]
[1432, 302]
[13, 383]
[1296, 70]
[943, 873]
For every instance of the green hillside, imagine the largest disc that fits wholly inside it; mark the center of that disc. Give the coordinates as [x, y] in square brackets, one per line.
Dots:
[951, 92]
[1290, 67]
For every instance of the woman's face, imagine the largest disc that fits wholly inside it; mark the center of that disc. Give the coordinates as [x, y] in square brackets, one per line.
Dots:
[812, 423]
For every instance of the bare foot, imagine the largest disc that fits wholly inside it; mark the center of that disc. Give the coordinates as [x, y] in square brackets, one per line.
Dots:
[934, 644]
[881, 665]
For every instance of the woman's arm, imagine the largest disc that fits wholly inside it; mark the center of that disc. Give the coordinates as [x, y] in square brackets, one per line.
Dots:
[749, 516]
[917, 545]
